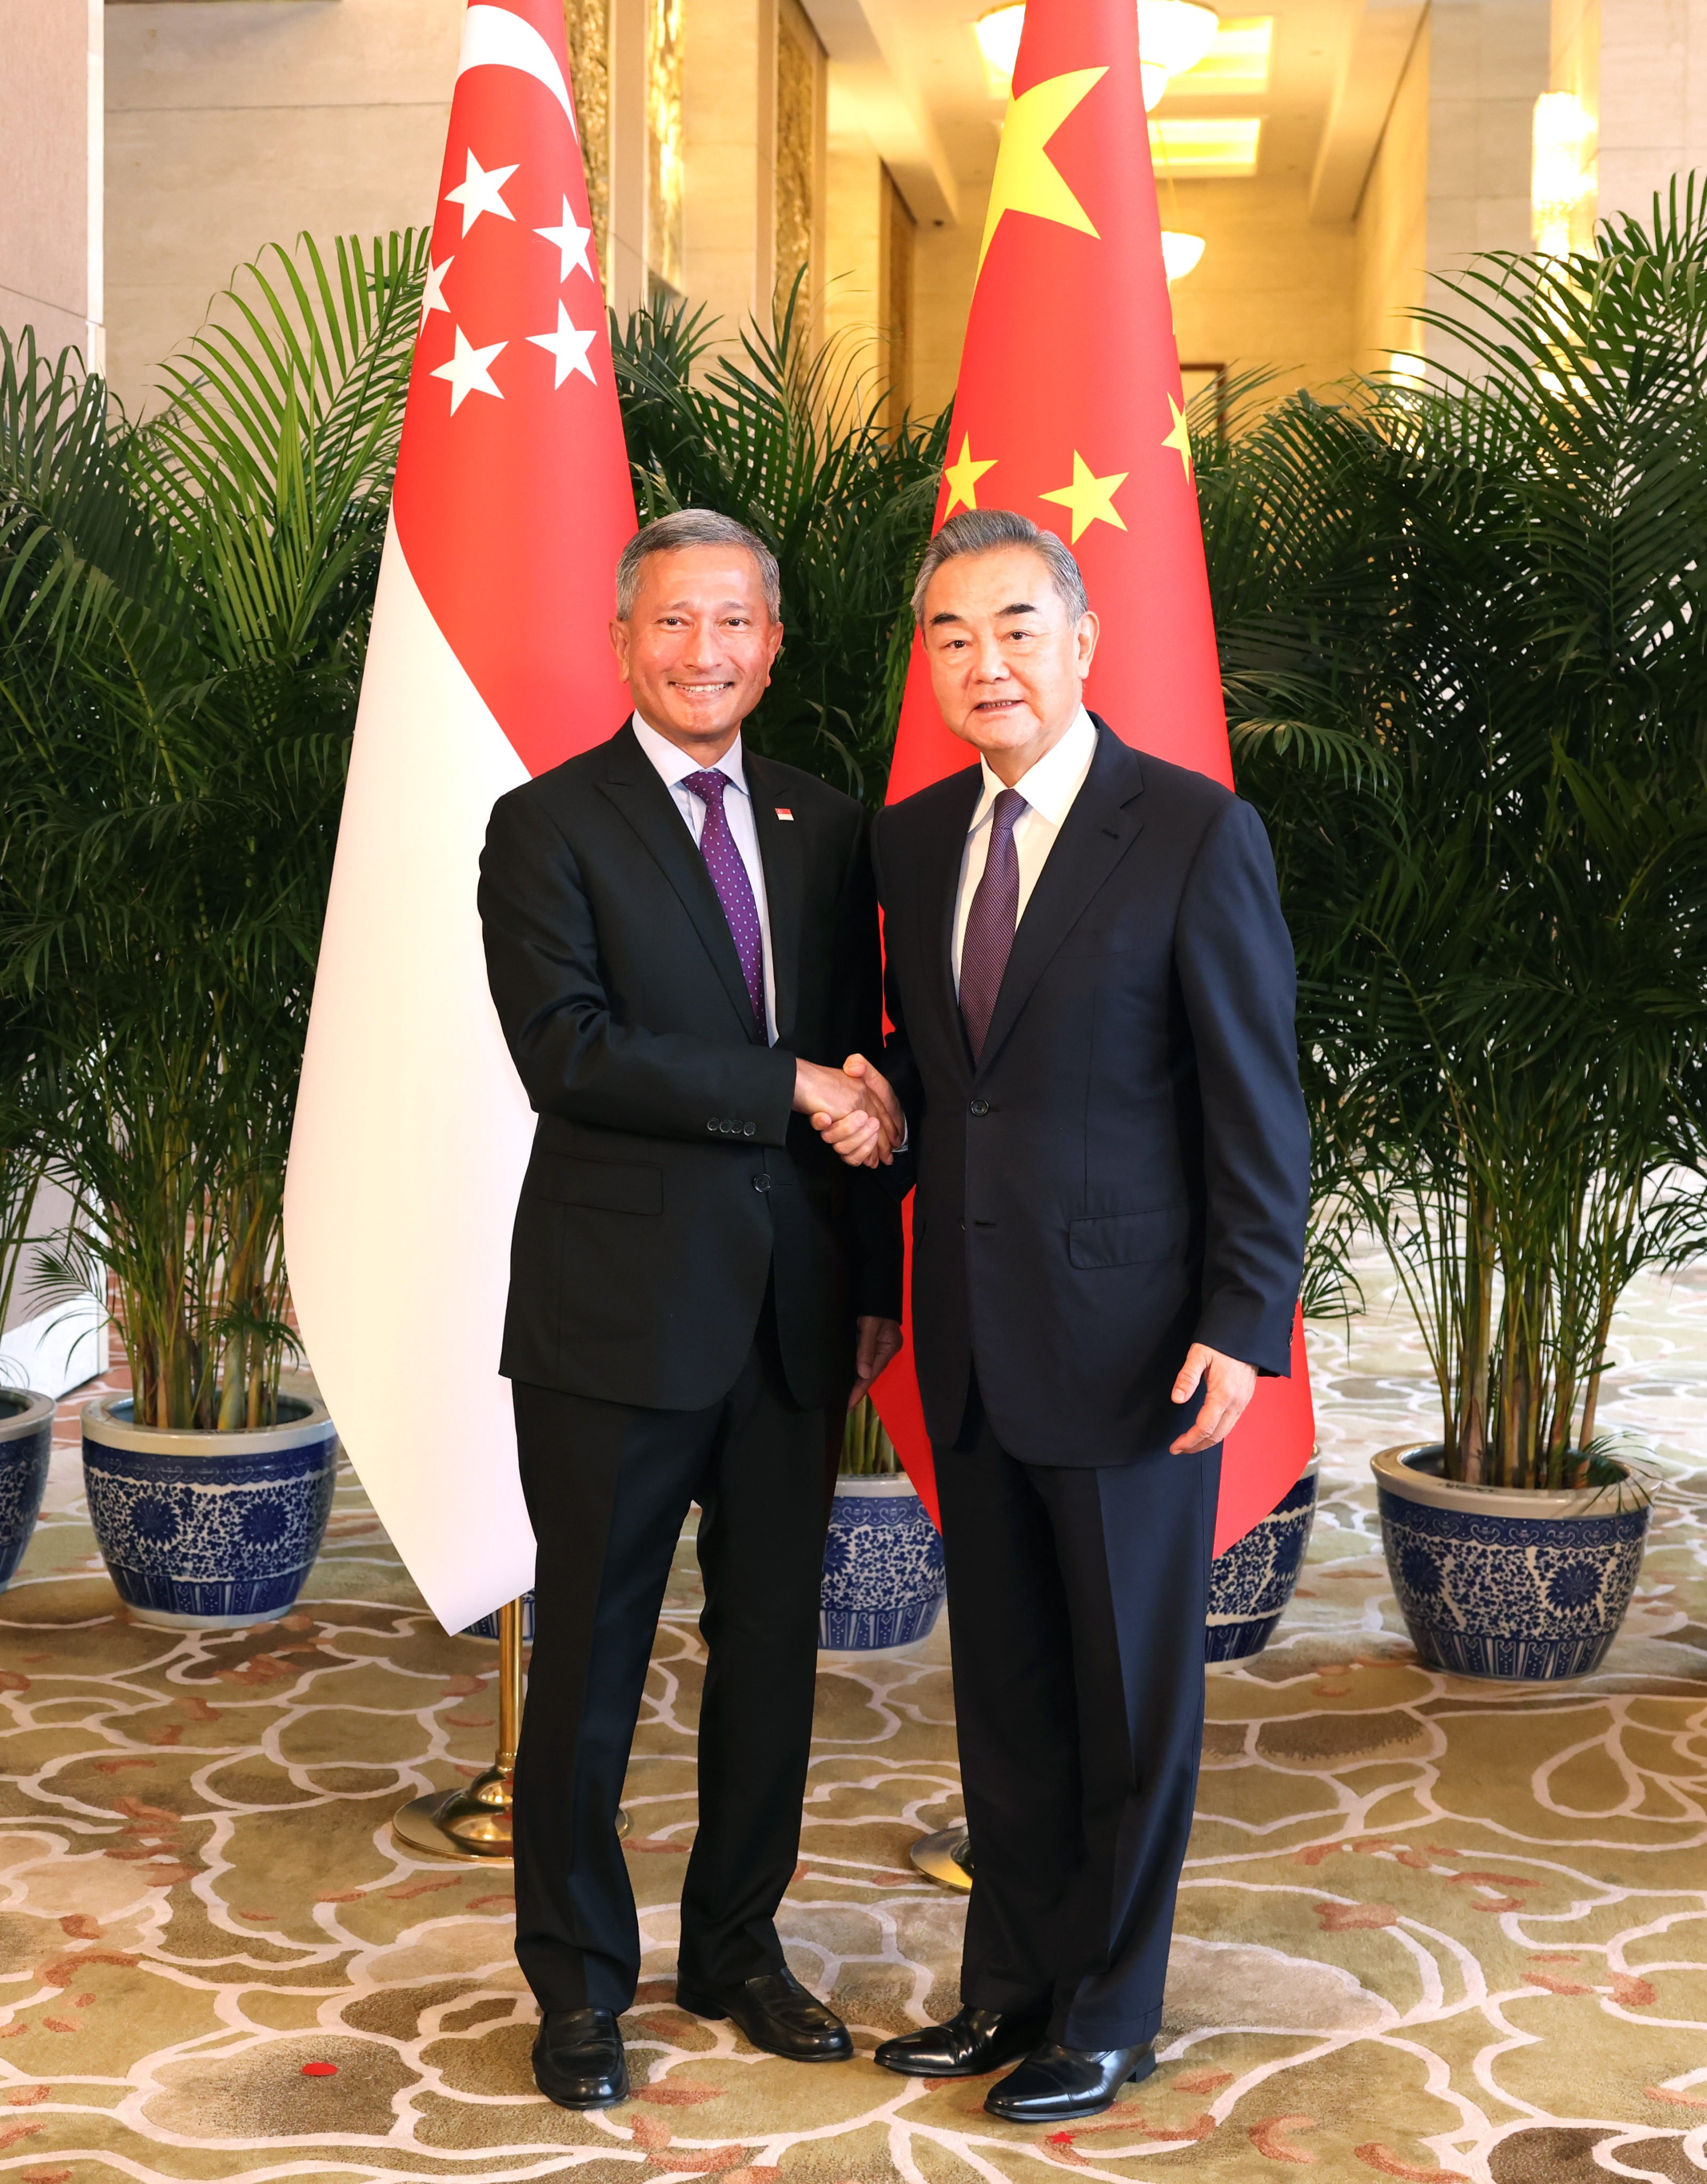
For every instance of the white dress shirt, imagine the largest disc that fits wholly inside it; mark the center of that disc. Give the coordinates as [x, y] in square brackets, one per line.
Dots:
[673, 764]
[1049, 789]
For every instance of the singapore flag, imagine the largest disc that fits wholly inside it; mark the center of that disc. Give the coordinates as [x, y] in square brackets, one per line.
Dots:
[489, 661]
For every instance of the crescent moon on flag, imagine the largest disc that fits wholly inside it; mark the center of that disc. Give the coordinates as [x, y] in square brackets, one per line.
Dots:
[492, 37]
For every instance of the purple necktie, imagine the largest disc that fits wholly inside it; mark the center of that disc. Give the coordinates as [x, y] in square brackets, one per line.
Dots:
[989, 936]
[734, 888]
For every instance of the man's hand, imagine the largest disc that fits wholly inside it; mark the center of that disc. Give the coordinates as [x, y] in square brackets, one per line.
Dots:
[879, 1342]
[1231, 1385]
[852, 1109]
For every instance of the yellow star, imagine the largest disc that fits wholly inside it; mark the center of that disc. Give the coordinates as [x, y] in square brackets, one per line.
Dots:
[1027, 179]
[963, 478]
[1091, 499]
[1179, 440]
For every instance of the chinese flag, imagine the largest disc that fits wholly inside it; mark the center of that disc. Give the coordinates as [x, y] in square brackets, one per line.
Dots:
[1070, 410]
[489, 661]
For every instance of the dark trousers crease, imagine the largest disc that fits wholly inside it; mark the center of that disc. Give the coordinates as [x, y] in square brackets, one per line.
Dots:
[607, 1489]
[1076, 1598]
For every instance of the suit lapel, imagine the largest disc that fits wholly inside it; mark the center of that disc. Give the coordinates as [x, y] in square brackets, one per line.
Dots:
[1095, 835]
[633, 785]
[781, 855]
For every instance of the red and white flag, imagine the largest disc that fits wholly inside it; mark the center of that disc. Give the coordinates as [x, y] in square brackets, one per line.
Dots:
[489, 661]
[1069, 409]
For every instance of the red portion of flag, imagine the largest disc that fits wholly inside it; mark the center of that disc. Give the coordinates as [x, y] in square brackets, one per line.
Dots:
[513, 493]
[1069, 409]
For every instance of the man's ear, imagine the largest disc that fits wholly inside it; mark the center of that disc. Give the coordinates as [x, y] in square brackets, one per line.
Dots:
[619, 645]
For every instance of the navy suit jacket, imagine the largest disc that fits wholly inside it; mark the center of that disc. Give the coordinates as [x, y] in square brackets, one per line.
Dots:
[1127, 1171]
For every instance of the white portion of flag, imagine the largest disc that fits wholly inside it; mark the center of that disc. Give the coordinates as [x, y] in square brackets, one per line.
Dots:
[492, 37]
[412, 1128]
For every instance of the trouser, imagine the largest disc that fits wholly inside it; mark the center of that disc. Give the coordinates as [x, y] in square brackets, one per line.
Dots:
[608, 1489]
[1076, 1599]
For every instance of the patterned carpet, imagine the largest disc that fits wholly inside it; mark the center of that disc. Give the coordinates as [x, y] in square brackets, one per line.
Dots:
[1430, 1929]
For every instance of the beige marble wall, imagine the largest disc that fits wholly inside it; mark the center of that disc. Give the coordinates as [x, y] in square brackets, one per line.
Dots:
[234, 126]
[51, 156]
[729, 118]
[853, 282]
[1391, 251]
[1273, 290]
[945, 264]
[1640, 69]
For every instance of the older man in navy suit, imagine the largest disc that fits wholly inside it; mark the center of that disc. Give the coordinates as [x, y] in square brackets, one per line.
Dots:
[1091, 986]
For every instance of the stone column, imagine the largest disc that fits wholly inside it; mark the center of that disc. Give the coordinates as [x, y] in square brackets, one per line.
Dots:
[728, 139]
[51, 161]
[1639, 68]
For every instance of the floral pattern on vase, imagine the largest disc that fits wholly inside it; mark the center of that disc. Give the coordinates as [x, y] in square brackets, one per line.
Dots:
[1251, 1581]
[26, 1439]
[1487, 1592]
[209, 1529]
[883, 1575]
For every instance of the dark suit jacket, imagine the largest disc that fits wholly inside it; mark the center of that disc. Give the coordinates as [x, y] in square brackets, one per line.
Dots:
[668, 1175]
[1127, 1171]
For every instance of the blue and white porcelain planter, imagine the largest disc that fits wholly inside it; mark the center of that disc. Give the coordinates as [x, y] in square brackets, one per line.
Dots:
[1252, 1581]
[26, 1439]
[208, 1532]
[1517, 1584]
[883, 1576]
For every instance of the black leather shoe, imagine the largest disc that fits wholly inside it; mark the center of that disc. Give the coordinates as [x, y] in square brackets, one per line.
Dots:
[775, 2013]
[970, 2043]
[1054, 2084]
[578, 2060]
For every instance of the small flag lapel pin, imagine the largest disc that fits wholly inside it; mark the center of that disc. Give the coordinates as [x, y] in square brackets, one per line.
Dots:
[783, 812]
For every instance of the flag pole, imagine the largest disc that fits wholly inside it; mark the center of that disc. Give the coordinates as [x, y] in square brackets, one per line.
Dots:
[479, 1822]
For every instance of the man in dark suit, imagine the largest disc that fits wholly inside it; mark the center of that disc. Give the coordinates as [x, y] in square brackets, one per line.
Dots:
[1091, 988]
[681, 942]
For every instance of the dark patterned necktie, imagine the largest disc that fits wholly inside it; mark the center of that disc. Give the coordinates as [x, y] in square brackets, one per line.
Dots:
[728, 871]
[988, 940]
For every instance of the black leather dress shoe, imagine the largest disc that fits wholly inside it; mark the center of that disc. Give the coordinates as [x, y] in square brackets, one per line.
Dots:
[971, 2042]
[775, 2013]
[1054, 2084]
[578, 2060]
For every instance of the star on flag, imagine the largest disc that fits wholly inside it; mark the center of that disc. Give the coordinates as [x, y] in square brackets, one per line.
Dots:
[467, 371]
[1089, 498]
[1027, 179]
[962, 475]
[432, 296]
[566, 347]
[571, 241]
[481, 191]
[1179, 440]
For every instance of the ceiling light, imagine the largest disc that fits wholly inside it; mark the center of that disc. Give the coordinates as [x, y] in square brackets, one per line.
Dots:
[1205, 151]
[1173, 36]
[1180, 253]
[1237, 65]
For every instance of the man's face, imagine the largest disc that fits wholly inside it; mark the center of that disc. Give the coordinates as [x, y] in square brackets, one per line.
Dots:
[697, 648]
[1007, 661]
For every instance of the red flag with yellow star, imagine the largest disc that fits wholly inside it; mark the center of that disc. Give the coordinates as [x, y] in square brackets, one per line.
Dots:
[1070, 410]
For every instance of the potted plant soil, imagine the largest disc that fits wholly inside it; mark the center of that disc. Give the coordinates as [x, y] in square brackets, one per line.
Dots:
[185, 607]
[883, 1574]
[1469, 666]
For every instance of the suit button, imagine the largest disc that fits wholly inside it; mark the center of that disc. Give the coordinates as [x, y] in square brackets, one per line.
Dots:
[980, 1107]
[749, 1129]
[726, 1126]
[711, 1124]
[761, 1183]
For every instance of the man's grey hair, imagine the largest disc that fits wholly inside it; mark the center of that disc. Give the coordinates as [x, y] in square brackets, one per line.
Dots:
[992, 531]
[693, 527]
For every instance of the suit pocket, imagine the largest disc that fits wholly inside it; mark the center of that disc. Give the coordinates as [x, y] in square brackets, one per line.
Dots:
[612, 1186]
[1127, 1240]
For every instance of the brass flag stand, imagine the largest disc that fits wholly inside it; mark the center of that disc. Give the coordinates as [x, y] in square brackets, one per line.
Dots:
[477, 1822]
[945, 1856]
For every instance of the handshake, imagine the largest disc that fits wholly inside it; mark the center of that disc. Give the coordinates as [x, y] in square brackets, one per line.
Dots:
[853, 1109]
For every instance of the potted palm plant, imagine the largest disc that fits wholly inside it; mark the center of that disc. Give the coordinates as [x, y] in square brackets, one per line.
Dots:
[1467, 653]
[182, 611]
